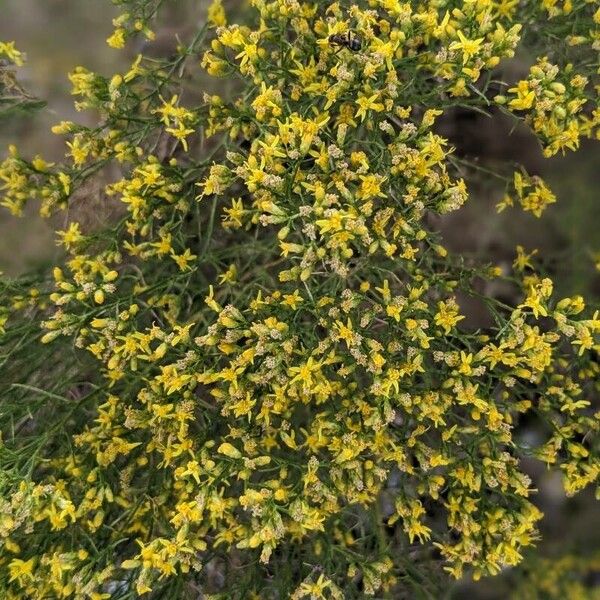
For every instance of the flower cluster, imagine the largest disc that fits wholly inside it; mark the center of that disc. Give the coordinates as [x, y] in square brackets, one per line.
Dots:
[531, 192]
[564, 576]
[13, 97]
[11, 54]
[134, 21]
[257, 379]
[554, 102]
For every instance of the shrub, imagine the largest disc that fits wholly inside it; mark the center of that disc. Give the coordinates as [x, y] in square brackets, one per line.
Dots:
[255, 380]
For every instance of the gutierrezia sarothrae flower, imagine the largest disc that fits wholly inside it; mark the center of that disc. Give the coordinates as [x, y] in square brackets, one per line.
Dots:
[262, 354]
[553, 100]
[216, 14]
[10, 52]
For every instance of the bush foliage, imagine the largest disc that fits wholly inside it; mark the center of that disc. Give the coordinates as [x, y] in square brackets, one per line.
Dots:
[255, 379]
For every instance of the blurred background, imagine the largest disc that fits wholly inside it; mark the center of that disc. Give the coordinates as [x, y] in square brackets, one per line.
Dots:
[58, 35]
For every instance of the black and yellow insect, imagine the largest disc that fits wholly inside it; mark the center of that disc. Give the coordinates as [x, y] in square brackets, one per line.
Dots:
[346, 41]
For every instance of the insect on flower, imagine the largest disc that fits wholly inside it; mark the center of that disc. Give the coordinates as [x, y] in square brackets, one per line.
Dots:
[346, 41]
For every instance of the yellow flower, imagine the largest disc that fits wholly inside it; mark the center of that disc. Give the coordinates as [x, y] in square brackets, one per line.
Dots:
[21, 569]
[72, 236]
[468, 47]
[230, 275]
[8, 49]
[345, 332]
[314, 589]
[228, 450]
[367, 103]
[244, 406]
[216, 14]
[370, 187]
[117, 39]
[183, 260]
[304, 373]
[525, 96]
[292, 300]
[447, 316]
